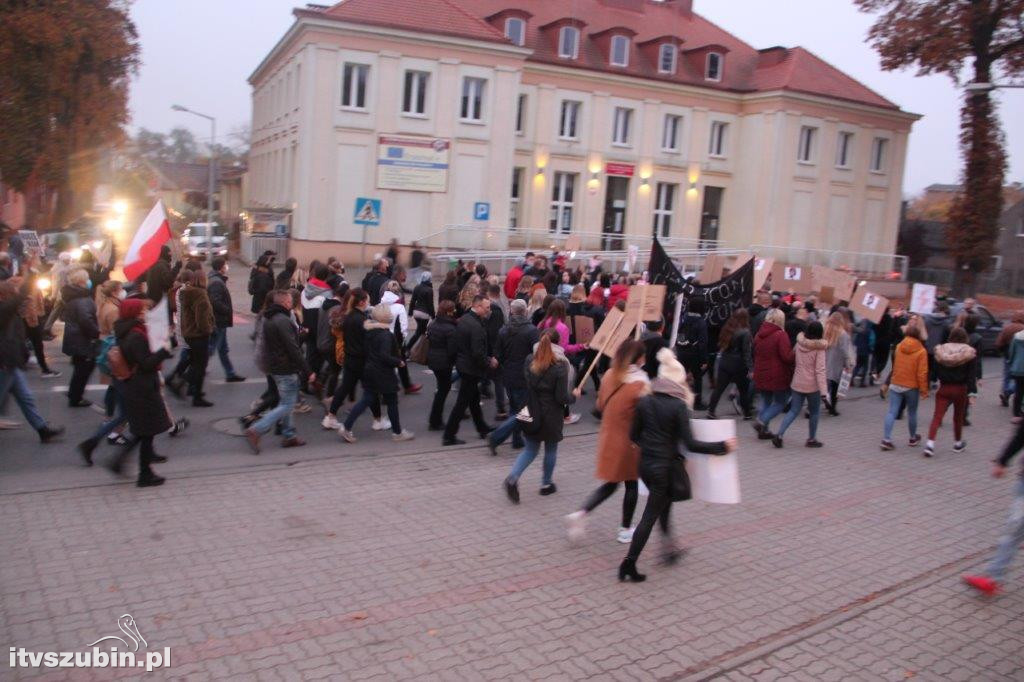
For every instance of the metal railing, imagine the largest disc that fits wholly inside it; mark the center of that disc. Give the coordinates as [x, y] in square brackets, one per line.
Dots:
[252, 245]
[478, 238]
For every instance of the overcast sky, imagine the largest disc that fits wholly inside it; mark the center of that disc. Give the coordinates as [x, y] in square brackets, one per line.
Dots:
[199, 53]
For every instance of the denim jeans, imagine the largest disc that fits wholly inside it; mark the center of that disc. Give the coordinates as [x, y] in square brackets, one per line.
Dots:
[1012, 539]
[1008, 384]
[772, 405]
[117, 415]
[13, 381]
[896, 402]
[219, 342]
[511, 426]
[288, 390]
[797, 406]
[529, 453]
[369, 399]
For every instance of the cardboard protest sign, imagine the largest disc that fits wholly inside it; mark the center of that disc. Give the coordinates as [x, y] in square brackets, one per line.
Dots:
[615, 329]
[922, 299]
[842, 283]
[30, 239]
[827, 295]
[789, 277]
[712, 268]
[651, 297]
[762, 268]
[573, 243]
[584, 328]
[869, 305]
[714, 478]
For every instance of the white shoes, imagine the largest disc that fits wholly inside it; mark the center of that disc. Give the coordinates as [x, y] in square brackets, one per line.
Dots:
[347, 435]
[576, 525]
[330, 422]
[572, 418]
[404, 435]
[382, 424]
[625, 535]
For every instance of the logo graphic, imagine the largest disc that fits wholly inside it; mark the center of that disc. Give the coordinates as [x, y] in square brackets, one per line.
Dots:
[127, 625]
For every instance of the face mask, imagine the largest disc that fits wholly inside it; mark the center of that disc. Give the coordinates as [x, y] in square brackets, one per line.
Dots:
[121, 295]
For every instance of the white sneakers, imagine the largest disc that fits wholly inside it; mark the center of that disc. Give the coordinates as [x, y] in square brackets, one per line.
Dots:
[347, 435]
[572, 418]
[625, 535]
[404, 435]
[382, 424]
[576, 525]
[330, 422]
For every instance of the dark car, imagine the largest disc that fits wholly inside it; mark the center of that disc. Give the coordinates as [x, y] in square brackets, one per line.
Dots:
[988, 325]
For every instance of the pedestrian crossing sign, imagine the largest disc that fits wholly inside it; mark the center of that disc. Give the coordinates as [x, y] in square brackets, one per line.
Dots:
[367, 211]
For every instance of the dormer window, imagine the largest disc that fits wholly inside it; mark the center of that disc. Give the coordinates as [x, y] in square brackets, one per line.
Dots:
[620, 51]
[713, 70]
[667, 58]
[515, 30]
[568, 42]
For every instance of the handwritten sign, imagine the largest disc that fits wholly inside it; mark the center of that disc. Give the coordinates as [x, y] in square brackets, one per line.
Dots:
[922, 299]
[584, 328]
[652, 299]
[842, 283]
[762, 268]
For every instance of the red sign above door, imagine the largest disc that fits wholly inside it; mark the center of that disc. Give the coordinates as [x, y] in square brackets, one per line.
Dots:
[623, 169]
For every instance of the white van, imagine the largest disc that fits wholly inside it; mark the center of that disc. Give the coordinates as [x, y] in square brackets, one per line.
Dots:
[197, 242]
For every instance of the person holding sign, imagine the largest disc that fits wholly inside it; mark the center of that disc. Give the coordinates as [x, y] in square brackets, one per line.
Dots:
[839, 358]
[661, 423]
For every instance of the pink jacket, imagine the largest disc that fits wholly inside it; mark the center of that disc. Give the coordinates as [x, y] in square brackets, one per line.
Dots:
[563, 336]
[809, 373]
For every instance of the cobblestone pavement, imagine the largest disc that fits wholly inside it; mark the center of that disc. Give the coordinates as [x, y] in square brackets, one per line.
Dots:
[842, 563]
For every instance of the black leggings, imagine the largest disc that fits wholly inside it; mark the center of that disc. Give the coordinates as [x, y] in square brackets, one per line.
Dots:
[421, 328]
[692, 362]
[606, 490]
[729, 376]
[146, 453]
[268, 400]
[35, 335]
[199, 358]
[1018, 395]
[659, 508]
[350, 378]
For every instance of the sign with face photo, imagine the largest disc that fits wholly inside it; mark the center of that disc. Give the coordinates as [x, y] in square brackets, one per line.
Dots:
[869, 305]
[790, 277]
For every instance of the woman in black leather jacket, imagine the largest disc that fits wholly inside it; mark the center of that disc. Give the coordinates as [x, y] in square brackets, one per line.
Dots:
[662, 421]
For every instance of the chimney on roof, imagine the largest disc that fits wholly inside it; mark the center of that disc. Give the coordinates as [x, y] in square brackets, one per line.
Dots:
[684, 7]
[772, 56]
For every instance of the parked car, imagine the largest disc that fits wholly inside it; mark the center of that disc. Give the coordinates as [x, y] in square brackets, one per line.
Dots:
[199, 243]
[989, 326]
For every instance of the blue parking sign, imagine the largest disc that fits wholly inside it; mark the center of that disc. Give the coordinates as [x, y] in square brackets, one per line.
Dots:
[481, 210]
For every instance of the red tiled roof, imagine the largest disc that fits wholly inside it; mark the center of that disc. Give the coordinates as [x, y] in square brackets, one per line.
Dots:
[745, 69]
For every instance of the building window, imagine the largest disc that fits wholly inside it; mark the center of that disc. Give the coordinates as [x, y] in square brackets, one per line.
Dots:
[513, 210]
[663, 202]
[716, 146]
[713, 71]
[515, 30]
[353, 86]
[805, 149]
[521, 115]
[568, 42]
[667, 58]
[844, 149]
[473, 99]
[561, 203]
[878, 150]
[620, 51]
[568, 126]
[414, 99]
[620, 126]
[1020, 228]
[670, 133]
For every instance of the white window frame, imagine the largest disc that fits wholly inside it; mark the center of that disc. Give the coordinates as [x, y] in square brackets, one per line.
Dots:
[562, 201]
[664, 200]
[1020, 227]
[670, 50]
[413, 90]
[807, 144]
[673, 123]
[471, 103]
[352, 93]
[569, 120]
[575, 33]
[844, 149]
[522, 30]
[515, 196]
[720, 60]
[619, 42]
[521, 103]
[879, 154]
[622, 121]
[718, 139]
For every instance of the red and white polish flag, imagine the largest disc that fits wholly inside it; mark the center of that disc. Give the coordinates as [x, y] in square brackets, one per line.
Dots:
[144, 251]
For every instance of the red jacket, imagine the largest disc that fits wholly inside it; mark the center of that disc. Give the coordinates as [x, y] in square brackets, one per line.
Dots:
[512, 282]
[773, 359]
[618, 292]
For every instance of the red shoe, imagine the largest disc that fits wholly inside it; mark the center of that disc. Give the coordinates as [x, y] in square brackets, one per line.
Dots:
[415, 388]
[982, 584]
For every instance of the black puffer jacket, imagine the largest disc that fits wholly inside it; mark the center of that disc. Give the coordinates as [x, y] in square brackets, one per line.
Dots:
[515, 342]
[442, 348]
[661, 423]
[261, 283]
[355, 338]
[423, 299]
[547, 395]
[281, 343]
[80, 325]
[738, 355]
[471, 337]
[220, 299]
[143, 402]
[382, 359]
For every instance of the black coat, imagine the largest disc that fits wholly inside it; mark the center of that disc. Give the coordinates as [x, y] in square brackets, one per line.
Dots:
[80, 325]
[382, 359]
[448, 292]
[547, 395]
[661, 423]
[738, 355]
[423, 299]
[160, 277]
[281, 343]
[143, 401]
[261, 283]
[373, 285]
[355, 338]
[471, 339]
[442, 348]
[220, 299]
[515, 343]
[13, 352]
[653, 342]
[493, 325]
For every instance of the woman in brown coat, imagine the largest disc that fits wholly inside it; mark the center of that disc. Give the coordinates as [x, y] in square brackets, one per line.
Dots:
[617, 456]
[197, 323]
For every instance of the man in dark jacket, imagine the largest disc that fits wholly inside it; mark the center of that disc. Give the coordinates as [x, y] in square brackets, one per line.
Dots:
[81, 329]
[261, 281]
[14, 354]
[493, 324]
[515, 343]
[223, 316]
[473, 363]
[373, 283]
[284, 362]
[160, 277]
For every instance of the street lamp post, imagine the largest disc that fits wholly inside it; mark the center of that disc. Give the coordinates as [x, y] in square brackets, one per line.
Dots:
[213, 170]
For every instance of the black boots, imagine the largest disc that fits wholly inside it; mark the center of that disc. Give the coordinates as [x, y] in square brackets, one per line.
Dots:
[48, 433]
[627, 571]
[85, 449]
[147, 479]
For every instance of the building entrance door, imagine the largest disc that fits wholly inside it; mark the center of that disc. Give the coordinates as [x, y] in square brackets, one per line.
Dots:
[615, 213]
[709, 215]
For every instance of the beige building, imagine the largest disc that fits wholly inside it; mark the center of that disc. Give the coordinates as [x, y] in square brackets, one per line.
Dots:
[609, 119]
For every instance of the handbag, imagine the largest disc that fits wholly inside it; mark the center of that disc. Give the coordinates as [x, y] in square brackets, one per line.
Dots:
[678, 481]
[418, 352]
